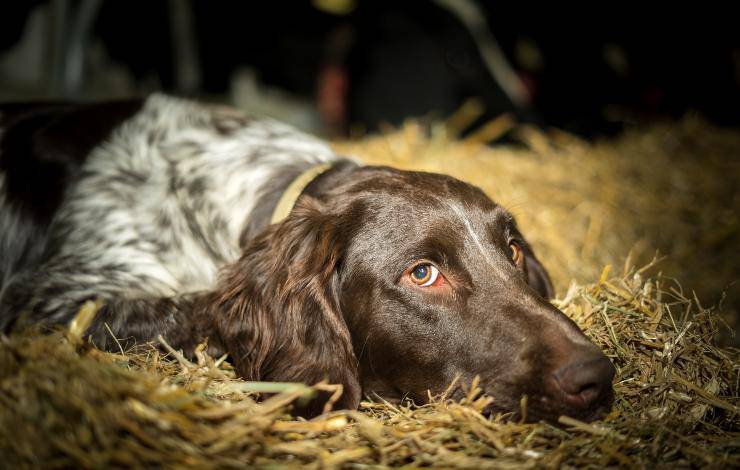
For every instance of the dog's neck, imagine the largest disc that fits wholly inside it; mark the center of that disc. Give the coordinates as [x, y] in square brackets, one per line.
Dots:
[294, 190]
[284, 191]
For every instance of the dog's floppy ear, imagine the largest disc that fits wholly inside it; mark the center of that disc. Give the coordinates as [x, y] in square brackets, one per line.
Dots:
[537, 276]
[277, 309]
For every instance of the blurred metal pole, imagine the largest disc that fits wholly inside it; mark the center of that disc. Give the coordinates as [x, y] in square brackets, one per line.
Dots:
[72, 27]
[184, 47]
[58, 13]
[471, 16]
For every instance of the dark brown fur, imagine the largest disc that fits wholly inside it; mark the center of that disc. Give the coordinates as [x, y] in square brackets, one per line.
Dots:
[321, 296]
[277, 310]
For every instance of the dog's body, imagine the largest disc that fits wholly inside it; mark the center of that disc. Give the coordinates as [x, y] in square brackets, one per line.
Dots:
[153, 199]
[161, 205]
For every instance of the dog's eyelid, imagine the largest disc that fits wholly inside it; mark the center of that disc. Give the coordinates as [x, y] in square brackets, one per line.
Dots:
[510, 229]
[514, 238]
[512, 234]
[438, 263]
[433, 256]
[420, 262]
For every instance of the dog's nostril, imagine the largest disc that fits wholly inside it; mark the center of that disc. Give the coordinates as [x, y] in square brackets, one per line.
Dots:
[584, 381]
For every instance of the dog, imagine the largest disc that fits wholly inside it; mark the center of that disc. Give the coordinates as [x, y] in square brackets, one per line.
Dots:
[196, 222]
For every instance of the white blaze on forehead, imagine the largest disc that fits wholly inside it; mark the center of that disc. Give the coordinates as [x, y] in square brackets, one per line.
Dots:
[526, 300]
[485, 254]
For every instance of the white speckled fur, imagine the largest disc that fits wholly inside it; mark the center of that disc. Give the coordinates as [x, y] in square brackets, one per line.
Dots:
[160, 207]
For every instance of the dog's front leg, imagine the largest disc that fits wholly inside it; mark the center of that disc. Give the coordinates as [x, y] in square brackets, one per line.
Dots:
[182, 321]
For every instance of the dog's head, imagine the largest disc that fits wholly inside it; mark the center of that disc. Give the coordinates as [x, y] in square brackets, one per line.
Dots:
[396, 283]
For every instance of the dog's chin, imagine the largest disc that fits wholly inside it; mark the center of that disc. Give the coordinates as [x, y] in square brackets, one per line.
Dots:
[531, 415]
[538, 408]
[543, 409]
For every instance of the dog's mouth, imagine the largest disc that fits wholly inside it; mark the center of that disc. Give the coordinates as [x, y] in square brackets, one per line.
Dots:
[532, 409]
[536, 408]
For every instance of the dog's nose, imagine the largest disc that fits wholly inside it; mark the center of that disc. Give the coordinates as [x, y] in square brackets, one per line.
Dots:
[585, 381]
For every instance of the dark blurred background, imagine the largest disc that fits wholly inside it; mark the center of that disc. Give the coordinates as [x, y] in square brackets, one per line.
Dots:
[337, 67]
[669, 77]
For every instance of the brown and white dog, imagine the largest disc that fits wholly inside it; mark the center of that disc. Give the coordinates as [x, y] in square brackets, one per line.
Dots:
[382, 280]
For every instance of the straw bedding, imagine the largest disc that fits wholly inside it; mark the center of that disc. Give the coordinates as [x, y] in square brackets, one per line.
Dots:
[65, 404]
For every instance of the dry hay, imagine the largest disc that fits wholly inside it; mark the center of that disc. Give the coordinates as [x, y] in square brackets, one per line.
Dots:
[65, 404]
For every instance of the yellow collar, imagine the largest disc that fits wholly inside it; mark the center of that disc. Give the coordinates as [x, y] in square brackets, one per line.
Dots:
[291, 195]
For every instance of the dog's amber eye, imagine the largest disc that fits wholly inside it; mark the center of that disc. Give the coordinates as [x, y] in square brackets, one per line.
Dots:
[424, 275]
[516, 253]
